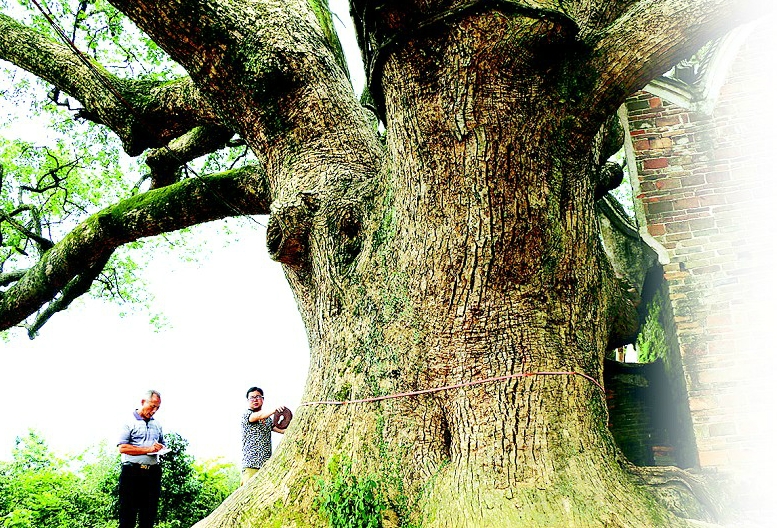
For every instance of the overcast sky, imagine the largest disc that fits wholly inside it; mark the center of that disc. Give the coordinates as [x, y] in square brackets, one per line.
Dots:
[233, 324]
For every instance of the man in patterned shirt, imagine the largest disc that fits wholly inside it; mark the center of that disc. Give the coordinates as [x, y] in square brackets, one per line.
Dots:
[257, 425]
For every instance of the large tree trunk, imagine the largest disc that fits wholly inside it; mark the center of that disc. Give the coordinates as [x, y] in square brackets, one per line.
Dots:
[474, 255]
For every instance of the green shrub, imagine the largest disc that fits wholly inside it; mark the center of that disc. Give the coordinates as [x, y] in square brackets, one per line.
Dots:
[347, 501]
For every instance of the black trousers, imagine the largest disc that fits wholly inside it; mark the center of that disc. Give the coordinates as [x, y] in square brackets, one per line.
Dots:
[139, 488]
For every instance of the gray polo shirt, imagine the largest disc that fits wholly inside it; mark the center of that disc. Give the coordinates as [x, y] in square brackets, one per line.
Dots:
[138, 432]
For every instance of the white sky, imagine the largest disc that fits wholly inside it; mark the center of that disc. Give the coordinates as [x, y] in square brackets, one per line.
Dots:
[234, 324]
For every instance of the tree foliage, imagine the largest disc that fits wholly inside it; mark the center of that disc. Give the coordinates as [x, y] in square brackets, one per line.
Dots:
[59, 164]
[191, 490]
[651, 341]
[38, 488]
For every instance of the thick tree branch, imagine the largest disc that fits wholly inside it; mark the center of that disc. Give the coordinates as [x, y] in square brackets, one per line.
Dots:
[190, 202]
[11, 277]
[74, 289]
[269, 66]
[651, 37]
[143, 114]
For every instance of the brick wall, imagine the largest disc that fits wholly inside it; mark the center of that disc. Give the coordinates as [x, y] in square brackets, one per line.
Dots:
[708, 185]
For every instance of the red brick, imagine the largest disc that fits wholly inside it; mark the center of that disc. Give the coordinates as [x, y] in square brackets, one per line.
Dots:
[701, 223]
[688, 326]
[693, 180]
[686, 203]
[657, 229]
[655, 163]
[679, 237]
[669, 183]
[659, 207]
[678, 227]
[681, 161]
[712, 199]
[667, 121]
[661, 143]
[642, 144]
[706, 269]
[655, 102]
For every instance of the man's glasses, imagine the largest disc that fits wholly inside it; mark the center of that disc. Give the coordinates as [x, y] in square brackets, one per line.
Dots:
[256, 397]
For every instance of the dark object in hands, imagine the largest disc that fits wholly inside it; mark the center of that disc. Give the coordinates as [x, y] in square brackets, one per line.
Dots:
[281, 420]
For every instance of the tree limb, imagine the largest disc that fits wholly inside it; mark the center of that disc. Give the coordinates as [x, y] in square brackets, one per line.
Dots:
[143, 114]
[43, 243]
[74, 289]
[194, 201]
[651, 36]
[11, 277]
[268, 67]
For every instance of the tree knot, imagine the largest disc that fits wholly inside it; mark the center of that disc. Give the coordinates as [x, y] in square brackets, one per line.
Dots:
[288, 229]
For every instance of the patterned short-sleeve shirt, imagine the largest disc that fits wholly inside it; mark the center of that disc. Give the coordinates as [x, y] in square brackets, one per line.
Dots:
[257, 444]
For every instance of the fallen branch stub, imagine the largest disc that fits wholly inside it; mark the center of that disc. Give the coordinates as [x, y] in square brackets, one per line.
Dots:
[288, 230]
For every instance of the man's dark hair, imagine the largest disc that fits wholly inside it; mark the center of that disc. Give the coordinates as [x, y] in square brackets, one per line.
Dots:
[252, 389]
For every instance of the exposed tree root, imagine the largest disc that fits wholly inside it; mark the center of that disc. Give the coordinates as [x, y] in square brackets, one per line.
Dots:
[684, 493]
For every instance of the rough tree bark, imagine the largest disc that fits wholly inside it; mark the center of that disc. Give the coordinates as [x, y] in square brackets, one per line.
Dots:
[461, 245]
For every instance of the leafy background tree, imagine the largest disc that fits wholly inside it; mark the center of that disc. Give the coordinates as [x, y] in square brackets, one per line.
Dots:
[651, 341]
[38, 488]
[191, 490]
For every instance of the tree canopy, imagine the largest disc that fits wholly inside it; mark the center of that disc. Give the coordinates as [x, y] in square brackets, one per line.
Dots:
[69, 205]
[67, 166]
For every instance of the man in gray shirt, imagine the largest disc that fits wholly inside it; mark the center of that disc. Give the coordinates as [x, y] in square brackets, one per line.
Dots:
[140, 482]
